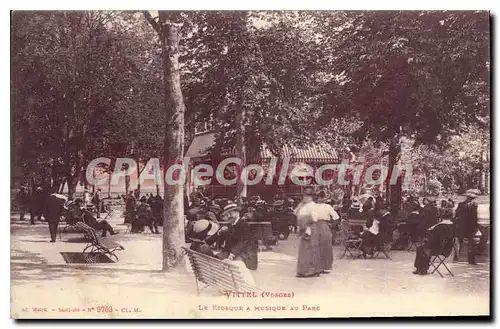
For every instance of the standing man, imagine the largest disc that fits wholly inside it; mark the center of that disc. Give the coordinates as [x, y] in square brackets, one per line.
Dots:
[466, 224]
[23, 201]
[130, 207]
[55, 207]
[36, 205]
[97, 202]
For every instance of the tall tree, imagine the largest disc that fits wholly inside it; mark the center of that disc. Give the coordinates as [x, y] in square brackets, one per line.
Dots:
[71, 70]
[424, 75]
[168, 26]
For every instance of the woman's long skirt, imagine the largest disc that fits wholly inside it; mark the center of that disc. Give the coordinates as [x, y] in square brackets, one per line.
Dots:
[309, 261]
[325, 245]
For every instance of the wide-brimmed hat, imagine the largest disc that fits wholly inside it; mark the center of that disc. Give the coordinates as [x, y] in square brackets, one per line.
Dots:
[230, 207]
[472, 193]
[205, 225]
[278, 203]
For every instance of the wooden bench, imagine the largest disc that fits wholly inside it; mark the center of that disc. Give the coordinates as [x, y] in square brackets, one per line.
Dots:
[222, 275]
[105, 246]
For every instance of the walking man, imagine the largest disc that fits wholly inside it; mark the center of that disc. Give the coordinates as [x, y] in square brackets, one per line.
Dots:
[54, 209]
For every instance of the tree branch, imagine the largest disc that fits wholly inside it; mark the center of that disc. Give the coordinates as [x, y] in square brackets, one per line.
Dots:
[153, 23]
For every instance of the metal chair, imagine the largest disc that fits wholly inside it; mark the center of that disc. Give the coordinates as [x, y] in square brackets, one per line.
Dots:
[352, 246]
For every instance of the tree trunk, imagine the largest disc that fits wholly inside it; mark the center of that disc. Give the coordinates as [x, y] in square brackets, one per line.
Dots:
[392, 196]
[138, 175]
[109, 184]
[173, 225]
[241, 186]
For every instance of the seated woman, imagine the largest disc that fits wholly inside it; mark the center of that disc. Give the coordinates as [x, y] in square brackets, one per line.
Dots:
[204, 233]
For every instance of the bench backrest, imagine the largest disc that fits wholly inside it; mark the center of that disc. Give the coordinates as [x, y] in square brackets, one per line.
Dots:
[89, 231]
[215, 272]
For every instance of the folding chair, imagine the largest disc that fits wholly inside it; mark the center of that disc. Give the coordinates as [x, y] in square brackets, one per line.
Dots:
[384, 249]
[352, 246]
[438, 257]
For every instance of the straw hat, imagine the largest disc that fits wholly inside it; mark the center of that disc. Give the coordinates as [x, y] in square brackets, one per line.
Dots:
[205, 225]
[230, 208]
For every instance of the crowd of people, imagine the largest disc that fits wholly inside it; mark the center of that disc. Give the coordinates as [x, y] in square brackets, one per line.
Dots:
[221, 224]
[146, 211]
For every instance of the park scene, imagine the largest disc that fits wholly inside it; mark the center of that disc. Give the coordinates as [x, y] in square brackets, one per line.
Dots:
[250, 164]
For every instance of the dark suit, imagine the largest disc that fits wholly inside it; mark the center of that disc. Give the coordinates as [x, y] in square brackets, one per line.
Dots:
[386, 227]
[466, 226]
[53, 211]
[241, 243]
[430, 215]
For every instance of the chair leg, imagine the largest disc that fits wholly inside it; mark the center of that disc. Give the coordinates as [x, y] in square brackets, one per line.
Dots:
[446, 267]
[440, 262]
[345, 251]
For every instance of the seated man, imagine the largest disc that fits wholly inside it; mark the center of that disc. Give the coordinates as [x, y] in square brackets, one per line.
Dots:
[240, 244]
[439, 236]
[78, 213]
[370, 236]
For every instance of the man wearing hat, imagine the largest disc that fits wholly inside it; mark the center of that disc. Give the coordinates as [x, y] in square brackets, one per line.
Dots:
[430, 213]
[79, 213]
[97, 202]
[355, 210]
[240, 244]
[466, 224]
[37, 205]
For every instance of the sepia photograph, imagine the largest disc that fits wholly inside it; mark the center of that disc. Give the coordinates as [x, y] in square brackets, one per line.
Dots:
[229, 164]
